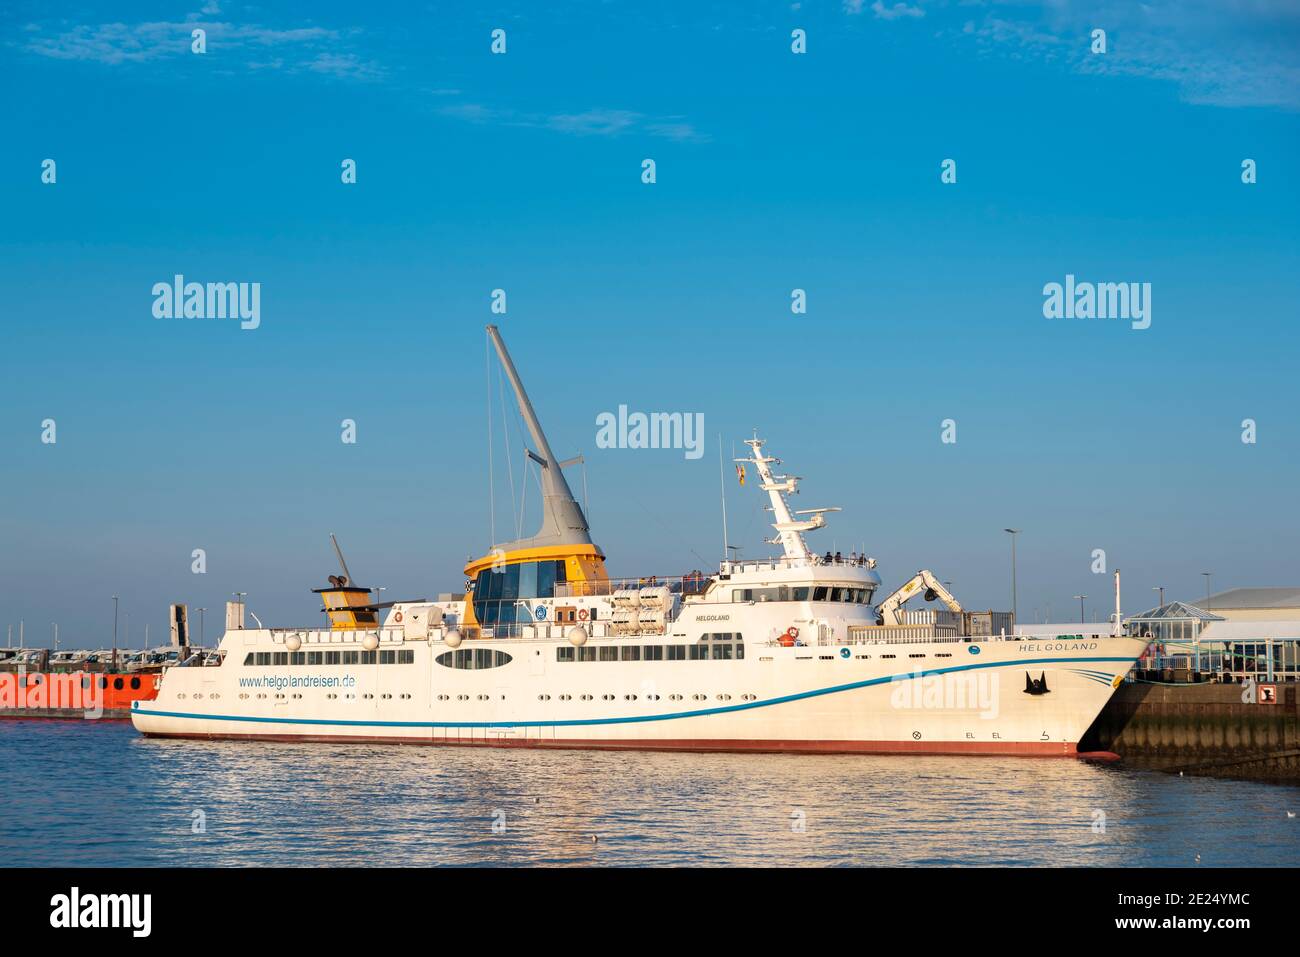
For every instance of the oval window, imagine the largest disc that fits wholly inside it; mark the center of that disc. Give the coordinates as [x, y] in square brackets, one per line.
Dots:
[117, 684]
[474, 659]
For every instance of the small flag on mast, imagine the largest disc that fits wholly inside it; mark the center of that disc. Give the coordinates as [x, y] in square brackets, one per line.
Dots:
[740, 473]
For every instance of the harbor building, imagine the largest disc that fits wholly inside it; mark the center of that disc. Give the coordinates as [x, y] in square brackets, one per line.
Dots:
[1254, 635]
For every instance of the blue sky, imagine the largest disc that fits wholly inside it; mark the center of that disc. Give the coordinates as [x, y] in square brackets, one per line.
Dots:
[522, 171]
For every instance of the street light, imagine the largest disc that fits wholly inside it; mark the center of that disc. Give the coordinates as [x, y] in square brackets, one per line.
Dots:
[1013, 532]
[1207, 589]
[1161, 589]
[114, 632]
[1081, 598]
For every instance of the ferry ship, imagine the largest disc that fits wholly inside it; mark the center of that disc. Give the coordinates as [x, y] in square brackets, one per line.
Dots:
[544, 649]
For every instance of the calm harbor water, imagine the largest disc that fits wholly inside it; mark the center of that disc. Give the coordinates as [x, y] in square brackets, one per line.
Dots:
[97, 794]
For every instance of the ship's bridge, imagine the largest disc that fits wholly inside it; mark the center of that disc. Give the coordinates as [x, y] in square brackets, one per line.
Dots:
[502, 582]
[795, 579]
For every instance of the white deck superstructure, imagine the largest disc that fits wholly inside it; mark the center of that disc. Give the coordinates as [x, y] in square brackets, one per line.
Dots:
[777, 654]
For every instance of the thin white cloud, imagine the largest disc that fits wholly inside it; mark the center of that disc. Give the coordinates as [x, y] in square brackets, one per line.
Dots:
[314, 49]
[1244, 55]
[895, 12]
[595, 122]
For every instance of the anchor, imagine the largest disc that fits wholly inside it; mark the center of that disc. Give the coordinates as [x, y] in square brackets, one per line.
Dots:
[1036, 687]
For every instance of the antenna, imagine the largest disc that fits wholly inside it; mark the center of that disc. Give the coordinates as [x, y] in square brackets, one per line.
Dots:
[339, 552]
[722, 484]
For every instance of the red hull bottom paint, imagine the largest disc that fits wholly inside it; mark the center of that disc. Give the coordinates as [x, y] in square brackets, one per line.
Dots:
[1041, 749]
[1101, 757]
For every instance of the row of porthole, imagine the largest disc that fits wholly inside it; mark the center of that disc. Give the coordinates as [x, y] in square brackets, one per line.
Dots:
[607, 697]
[118, 684]
[937, 654]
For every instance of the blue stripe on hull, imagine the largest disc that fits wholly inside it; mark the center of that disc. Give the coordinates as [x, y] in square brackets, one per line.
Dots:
[835, 689]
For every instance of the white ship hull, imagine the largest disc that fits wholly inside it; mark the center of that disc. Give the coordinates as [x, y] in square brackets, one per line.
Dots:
[544, 650]
[943, 697]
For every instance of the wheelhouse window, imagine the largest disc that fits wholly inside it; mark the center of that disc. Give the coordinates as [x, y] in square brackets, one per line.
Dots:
[499, 591]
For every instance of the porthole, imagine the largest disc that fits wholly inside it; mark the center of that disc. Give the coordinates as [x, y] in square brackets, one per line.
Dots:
[607, 697]
[462, 697]
[181, 697]
[443, 697]
[586, 697]
[243, 697]
[117, 684]
[543, 697]
[566, 697]
[674, 697]
[916, 656]
[367, 696]
[652, 697]
[197, 697]
[748, 697]
[724, 697]
[483, 697]
[135, 684]
[629, 697]
[700, 697]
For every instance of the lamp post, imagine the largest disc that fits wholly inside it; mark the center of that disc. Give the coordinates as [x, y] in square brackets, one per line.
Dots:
[1207, 589]
[1013, 532]
[1161, 590]
[114, 632]
[201, 611]
[1081, 598]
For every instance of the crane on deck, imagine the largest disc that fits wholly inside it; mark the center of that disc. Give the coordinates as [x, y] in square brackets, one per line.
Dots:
[888, 611]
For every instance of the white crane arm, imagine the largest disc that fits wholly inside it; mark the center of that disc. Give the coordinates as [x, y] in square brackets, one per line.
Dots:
[888, 610]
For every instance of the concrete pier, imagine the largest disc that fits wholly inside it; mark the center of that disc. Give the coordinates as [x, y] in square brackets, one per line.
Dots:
[1203, 729]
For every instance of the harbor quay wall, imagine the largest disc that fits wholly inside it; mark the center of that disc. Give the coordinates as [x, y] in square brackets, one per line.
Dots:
[1202, 729]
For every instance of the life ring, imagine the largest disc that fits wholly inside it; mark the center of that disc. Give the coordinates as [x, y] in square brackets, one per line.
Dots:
[397, 616]
[582, 614]
[792, 631]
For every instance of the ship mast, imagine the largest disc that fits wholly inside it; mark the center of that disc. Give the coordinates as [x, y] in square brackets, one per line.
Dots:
[562, 520]
[789, 529]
